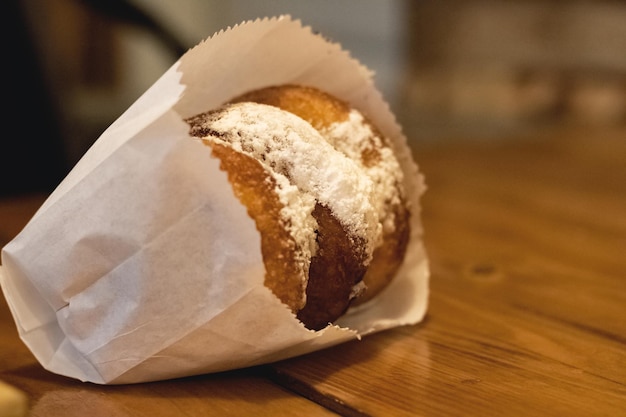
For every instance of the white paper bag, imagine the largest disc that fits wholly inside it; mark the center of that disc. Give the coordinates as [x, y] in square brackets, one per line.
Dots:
[143, 265]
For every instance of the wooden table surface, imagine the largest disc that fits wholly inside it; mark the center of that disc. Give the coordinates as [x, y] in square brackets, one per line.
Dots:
[527, 245]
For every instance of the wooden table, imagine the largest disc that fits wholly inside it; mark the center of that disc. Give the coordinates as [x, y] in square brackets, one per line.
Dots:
[527, 245]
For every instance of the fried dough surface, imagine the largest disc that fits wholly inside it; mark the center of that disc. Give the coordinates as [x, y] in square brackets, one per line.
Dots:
[286, 272]
[276, 166]
[358, 139]
[324, 188]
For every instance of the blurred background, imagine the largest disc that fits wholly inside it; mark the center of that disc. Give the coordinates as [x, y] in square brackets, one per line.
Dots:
[473, 69]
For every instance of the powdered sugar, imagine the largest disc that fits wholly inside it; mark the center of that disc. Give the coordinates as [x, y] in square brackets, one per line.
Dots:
[355, 138]
[299, 158]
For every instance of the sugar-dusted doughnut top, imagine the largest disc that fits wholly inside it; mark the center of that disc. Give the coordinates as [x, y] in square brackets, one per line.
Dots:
[349, 132]
[353, 134]
[306, 167]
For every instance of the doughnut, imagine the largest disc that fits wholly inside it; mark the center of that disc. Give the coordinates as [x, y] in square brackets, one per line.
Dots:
[352, 134]
[323, 188]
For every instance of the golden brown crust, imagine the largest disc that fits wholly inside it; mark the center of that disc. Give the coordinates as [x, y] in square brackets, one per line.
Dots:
[337, 264]
[387, 257]
[254, 187]
[335, 270]
[318, 289]
[316, 107]
[322, 110]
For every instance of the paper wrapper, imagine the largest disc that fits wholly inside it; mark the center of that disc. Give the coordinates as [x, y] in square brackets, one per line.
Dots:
[142, 265]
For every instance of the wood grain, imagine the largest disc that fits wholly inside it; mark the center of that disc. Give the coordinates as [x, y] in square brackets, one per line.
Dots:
[526, 240]
[236, 393]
